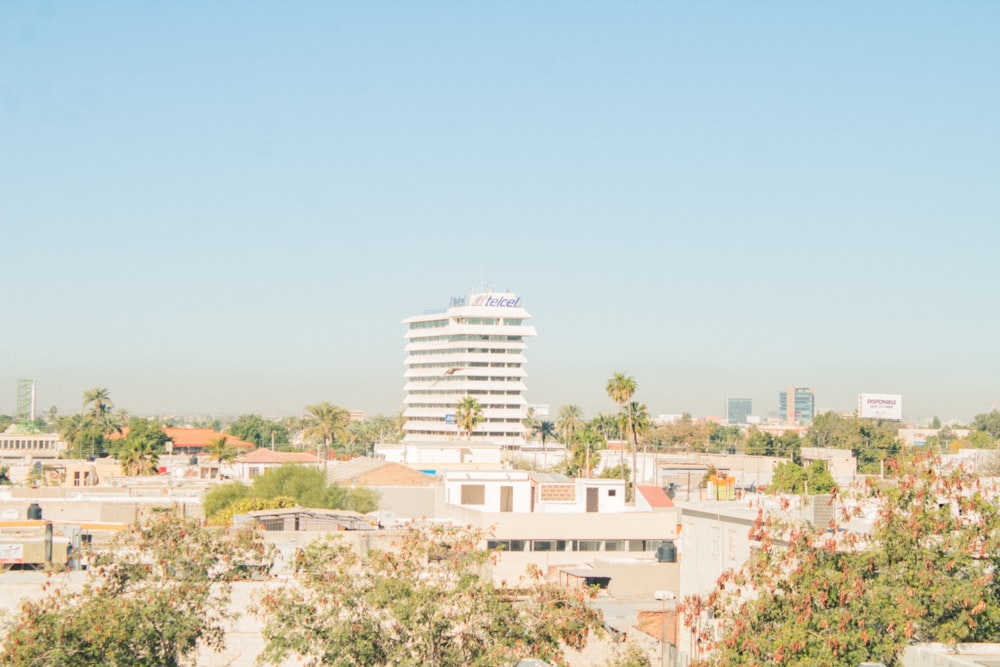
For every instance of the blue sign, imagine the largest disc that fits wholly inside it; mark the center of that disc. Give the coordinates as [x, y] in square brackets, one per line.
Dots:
[449, 418]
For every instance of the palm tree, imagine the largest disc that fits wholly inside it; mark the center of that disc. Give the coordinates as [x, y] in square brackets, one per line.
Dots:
[139, 458]
[220, 450]
[326, 423]
[99, 401]
[620, 389]
[544, 429]
[607, 425]
[468, 415]
[570, 421]
[636, 423]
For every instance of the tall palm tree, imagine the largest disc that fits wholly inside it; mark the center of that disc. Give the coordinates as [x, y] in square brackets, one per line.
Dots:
[543, 429]
[326, 423]
[468, 415]
[620, 389]
[569, 422]
[636, 423]
[98, 400]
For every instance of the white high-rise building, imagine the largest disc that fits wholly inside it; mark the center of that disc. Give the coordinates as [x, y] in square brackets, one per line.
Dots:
[475, 348]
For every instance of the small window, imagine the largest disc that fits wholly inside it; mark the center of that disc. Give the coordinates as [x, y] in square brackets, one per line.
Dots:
[612, 492]
[473, 494]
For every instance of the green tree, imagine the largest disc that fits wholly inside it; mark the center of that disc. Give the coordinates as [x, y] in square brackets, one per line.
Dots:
[326, 423]
[468, 415]
[424, 602]
[759, 443]
[987, 423]
[261, 432]
[607, 425]
[790, 477]
[585, 452]
[5, 475]
[816, 596]
[789, 445]
[222, 496]
[724, 438]
[305, 484]
[873, 442]
[620, 389]
[158, 595]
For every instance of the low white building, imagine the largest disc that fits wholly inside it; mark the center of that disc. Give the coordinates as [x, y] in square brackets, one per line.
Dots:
[521, 491]
[441, 455]
[259, 461]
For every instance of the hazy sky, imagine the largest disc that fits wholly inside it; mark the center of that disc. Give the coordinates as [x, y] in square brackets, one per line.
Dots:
[226, 207]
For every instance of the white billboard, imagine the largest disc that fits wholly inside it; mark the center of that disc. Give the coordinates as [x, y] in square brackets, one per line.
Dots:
[880, 406]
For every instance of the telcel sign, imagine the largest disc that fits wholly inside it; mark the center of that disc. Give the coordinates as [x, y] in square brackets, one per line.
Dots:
[880, 406]
[495, 300]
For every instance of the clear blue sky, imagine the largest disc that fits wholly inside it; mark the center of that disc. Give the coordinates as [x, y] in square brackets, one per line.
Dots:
[227, 207]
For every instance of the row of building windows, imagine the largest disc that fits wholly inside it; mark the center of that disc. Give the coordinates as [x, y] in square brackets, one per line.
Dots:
[457, 338]
[462, 392]
[465, 350]
[466, 378]
[21, 444]
[469, 364]
[576, 545]
[490, 321]
[432, 324]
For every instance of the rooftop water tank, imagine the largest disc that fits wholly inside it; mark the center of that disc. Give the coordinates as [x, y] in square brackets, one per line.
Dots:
[666, 552]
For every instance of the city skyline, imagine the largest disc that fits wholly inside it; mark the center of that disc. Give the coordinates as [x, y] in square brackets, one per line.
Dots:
[229, 209]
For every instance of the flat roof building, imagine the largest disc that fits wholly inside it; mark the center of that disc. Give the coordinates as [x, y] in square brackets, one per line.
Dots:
[474, 349]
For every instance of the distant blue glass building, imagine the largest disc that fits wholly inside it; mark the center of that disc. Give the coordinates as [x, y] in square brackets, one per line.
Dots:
[737, 410]
[801, 408]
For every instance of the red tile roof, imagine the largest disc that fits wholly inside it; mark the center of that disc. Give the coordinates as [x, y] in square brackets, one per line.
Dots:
[655, 496]
[194, 438]
[199, 438]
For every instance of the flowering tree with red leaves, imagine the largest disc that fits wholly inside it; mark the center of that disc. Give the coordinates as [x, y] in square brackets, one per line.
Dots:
[819, 595]
[426, 601]
[159, 594]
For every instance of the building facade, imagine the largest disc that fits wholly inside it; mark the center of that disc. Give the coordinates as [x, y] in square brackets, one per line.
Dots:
[797, 405]
[738, 410]
[475, 348]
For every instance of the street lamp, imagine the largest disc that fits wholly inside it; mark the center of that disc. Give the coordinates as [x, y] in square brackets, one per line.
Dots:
[664, 597]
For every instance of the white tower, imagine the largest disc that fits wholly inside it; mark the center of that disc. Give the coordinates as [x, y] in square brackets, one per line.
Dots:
[475, 348]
